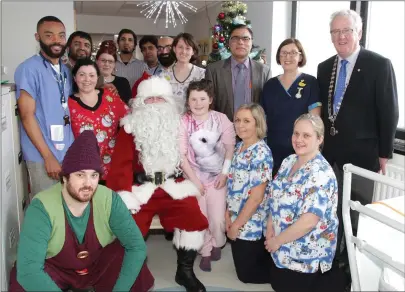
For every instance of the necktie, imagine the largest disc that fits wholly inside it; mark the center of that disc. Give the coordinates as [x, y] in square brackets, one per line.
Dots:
[340, 87]
[239, 94]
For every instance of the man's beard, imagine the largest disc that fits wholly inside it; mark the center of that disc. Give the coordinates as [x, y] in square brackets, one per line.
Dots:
[166, 60]
[127, 51]
[72, 55]
[156, 127]
[76, 194]
[48, 49]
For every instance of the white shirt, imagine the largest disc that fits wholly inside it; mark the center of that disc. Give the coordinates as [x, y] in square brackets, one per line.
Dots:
[349, 66]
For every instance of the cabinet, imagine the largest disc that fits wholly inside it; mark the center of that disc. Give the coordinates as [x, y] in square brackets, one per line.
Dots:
[13, 183]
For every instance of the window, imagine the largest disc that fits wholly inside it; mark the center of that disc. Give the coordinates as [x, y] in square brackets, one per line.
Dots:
[385, 36]
[313, 18]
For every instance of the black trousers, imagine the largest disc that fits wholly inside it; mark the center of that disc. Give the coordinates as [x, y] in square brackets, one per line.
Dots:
[252, 261]
[286, 280]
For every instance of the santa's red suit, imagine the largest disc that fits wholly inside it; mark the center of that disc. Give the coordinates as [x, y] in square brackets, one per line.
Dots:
[145, 173]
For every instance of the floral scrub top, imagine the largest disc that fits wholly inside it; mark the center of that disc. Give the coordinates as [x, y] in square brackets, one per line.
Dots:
[180, 88]
[249, 169]
[312, 189]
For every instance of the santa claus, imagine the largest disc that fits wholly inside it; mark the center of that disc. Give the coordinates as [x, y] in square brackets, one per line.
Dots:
[145, 172]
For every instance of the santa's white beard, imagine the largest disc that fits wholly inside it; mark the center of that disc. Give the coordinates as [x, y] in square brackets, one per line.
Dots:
[156, 128]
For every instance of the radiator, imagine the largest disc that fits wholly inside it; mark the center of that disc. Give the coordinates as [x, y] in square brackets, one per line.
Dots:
[382, 191]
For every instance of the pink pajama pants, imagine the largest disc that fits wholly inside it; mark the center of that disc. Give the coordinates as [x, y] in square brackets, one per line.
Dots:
[213, 205]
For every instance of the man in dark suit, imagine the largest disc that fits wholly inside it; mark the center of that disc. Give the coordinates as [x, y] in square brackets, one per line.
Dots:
[360, 108]
[238, 79]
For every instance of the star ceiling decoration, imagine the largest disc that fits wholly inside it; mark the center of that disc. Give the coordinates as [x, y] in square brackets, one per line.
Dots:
[172, 9]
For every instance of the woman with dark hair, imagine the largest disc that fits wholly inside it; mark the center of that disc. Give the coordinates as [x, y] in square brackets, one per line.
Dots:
[183, 71]
[98, 110]
[106, 58]
[286, 97]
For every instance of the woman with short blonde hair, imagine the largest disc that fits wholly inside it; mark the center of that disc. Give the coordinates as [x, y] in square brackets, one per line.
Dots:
[302, 219]
[248, 178]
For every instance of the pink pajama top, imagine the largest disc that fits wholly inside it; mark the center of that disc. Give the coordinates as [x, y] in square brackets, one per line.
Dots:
[217, 122]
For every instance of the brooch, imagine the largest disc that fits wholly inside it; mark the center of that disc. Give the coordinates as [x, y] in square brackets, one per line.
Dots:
[300, 88]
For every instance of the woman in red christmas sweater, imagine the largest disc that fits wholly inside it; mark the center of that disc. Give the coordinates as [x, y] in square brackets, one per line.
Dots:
[98, 110]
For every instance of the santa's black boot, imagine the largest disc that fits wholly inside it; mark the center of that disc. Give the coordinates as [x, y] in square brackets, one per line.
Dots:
[185, 273]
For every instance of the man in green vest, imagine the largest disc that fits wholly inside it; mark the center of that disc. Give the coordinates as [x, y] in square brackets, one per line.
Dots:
[78, 235]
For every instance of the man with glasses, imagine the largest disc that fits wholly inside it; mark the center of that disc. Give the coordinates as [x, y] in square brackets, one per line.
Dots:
[360, 109]
[165, 57]
[238, 79]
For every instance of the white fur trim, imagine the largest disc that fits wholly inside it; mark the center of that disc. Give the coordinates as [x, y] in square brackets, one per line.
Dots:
[130, 201]
[144, 192]
[126, 122]
[139, 196]
[188, 239]
[155, 86]
[180, 190]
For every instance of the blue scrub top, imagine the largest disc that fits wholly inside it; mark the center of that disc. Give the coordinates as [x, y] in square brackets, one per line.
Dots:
[282, 107]
[37, 77]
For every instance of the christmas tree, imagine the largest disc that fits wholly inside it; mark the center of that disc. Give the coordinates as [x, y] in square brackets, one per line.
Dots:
[232, 14]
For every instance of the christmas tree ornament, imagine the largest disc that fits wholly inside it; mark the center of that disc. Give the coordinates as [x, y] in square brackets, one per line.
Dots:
[215, 46]
[221, 39]
[221, 15]
[172, 10]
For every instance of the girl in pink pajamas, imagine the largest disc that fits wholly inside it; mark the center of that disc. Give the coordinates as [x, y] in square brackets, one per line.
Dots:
[207, 141]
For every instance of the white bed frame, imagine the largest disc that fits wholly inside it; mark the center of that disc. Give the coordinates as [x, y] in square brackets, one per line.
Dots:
[352, 241]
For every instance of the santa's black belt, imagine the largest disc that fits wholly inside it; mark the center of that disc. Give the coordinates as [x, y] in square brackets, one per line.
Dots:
[157, 178]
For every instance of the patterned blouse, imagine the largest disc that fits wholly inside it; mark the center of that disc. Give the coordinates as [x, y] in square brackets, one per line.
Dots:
[312, 189]
[180, 88]
[249, 169]
[103, 119]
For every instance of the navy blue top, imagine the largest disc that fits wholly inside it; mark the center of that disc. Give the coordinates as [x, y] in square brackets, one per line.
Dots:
[282, 107]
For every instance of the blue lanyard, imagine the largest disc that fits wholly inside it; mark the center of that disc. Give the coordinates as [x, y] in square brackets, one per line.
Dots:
[59, 78]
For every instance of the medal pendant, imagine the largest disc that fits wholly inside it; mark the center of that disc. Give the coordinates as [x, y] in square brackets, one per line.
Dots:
[333, 131]
[66, 119]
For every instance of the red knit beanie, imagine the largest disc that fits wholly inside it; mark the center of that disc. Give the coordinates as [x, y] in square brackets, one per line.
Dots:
[83, 154]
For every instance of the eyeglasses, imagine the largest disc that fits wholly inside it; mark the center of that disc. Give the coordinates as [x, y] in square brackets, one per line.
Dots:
[162, 49]
[292, 53]
[237, 39]
[109, 62]
[345, 32]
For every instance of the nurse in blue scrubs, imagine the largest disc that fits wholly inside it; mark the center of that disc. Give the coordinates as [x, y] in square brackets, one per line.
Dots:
[286, 97]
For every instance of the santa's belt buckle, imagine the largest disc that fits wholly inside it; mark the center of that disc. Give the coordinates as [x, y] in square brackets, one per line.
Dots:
[159, 178]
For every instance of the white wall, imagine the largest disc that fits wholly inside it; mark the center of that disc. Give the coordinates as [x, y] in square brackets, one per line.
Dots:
[261, 16]
[18, 26]
[113, 24]
[281, 29]
[199, 25]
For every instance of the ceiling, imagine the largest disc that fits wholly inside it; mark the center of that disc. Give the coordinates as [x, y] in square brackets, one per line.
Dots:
[127, 8]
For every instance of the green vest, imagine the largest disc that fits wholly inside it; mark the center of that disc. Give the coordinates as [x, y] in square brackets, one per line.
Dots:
[52, 202]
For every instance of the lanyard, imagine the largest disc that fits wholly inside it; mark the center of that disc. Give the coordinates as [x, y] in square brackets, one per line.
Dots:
[60, 80]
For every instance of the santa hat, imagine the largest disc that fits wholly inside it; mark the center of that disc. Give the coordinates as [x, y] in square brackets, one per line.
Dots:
[83, 154]
[155, 86]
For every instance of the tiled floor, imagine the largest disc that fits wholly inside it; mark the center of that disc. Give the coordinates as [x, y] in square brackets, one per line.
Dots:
[162, 263]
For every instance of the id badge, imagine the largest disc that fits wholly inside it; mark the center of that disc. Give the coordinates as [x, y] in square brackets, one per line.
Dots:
[57, 133]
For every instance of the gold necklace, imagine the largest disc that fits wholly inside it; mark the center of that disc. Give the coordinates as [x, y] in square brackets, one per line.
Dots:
[332, 116]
